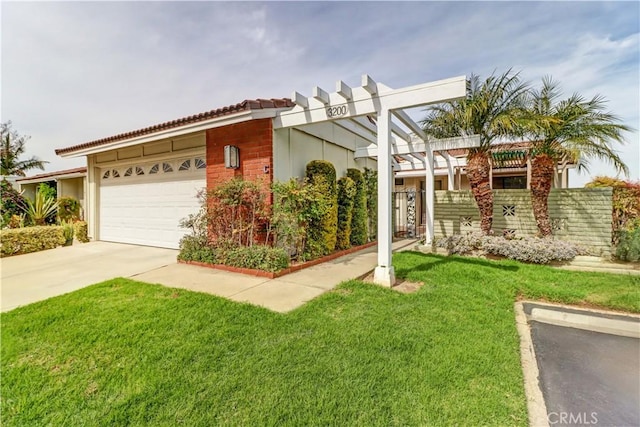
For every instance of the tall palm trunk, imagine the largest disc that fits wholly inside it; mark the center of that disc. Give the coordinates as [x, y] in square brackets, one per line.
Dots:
[478, 174]
[542, 169]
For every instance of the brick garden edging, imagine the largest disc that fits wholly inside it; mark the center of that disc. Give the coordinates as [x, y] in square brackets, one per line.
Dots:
[292, 269]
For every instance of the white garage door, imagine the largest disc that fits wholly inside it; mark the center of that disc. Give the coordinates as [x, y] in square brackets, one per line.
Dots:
[143, 204]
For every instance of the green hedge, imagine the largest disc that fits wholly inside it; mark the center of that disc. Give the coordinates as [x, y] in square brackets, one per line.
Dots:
[257, 257]
[80, 229]
[346, 192]
[321, 236]
[30, 239]
[371, 194]
[359, 218]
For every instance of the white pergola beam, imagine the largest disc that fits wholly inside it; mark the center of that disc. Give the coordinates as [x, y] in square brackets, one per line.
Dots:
[422, 147]
[300, 100]
[369, 85]
[343, 90]
[320, 95]
[362, 103]
[412, 125]
[351, 126]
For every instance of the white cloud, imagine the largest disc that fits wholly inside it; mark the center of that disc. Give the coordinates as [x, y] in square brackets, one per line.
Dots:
[73, 72]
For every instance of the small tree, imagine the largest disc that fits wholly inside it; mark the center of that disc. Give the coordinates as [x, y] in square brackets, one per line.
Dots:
[68, 209]
[296, 204]
[346, 195]
[371, 193]
[322, 234]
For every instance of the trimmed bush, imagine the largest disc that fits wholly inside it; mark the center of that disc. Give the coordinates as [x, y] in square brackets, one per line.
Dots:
[31, 239]
[346, 193]
[257, 257]
[371, 193]
[295, 205]
[321, 236]
[359, 218]
[80, 229]
[528, 249]
[628, 248]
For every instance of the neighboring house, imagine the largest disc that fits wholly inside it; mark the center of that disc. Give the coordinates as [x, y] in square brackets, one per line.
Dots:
[140, 184]
[510, 169]
[68, 183]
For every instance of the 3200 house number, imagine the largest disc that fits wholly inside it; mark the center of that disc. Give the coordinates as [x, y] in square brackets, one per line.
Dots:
[338, 111]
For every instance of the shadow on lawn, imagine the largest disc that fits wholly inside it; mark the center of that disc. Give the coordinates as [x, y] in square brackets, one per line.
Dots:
[435, 260]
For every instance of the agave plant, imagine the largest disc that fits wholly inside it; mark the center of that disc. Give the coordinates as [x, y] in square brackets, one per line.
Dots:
[41, 208]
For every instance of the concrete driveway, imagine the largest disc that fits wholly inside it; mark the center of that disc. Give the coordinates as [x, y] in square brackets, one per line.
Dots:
[37, 276]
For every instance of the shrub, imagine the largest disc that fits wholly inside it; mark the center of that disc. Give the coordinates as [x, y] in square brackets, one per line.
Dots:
[235, 210]
[628, 248]
[359, 218]
[258, 257]
[67, 231]
[31, 239]
[528, 249]
[346, 193]
[80, 230]
[625, 201]
[295, 205]
[42, 209]
[371, 193]
[68, 209]
[321, 236]
[13, 203]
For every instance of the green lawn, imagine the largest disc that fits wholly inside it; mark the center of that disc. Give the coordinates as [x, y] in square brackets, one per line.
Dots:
[124, 352]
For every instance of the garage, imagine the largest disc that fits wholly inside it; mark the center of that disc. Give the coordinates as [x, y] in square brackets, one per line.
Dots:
[143, 203]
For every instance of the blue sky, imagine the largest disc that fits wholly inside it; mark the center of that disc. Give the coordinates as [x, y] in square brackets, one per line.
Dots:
[79, 71]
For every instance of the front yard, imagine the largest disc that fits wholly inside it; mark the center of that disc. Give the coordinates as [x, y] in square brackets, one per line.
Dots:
[124, 352]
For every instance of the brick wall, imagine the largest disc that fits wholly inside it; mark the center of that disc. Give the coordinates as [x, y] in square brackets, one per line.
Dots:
[255, 142]
[580, 215]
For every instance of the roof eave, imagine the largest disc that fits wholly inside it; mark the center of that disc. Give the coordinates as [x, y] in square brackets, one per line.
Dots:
[176, 131]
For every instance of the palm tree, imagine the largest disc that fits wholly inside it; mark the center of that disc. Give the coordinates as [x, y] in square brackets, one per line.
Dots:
[492, 109]
[575, 128]
[12, 147]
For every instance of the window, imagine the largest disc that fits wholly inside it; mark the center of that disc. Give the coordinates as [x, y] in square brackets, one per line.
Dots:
[200, 163]
[128, 172]
[154, 169]
[399, 181]
[185, 166]
[139, 170]
[509, 182]
[166, 167]
[106, 175]
[115, 174]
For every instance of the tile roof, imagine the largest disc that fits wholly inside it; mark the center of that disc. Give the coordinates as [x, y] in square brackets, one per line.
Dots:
[246, 105]
[54, 174]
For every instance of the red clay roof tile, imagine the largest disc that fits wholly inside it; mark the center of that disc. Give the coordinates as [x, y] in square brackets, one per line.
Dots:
[246, 105]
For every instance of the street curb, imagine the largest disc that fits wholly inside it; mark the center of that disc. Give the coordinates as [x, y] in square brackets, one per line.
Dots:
[588, 323]
[536, 406]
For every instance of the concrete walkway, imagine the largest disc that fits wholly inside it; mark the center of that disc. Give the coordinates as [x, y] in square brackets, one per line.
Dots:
[282, 294]
[35, 277]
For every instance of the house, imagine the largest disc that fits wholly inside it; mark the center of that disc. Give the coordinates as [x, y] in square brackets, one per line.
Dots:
[68, 183]
[140, 184]
[510, 170]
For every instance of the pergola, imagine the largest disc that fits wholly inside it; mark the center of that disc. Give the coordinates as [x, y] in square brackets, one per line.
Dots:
[376, 113]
